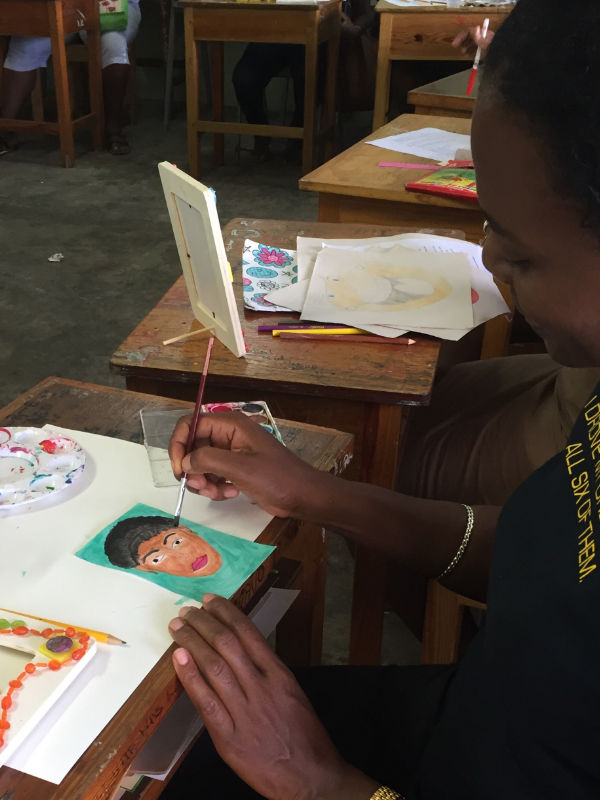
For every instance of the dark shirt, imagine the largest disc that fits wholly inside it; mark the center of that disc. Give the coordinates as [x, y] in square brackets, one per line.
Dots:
[521, 717]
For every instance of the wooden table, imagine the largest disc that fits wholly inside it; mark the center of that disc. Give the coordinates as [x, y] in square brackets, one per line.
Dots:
[115, 412]
[56, 18]
[365, 390]
[445, 97]
[422, 33]
[218, 21]
[353, 187]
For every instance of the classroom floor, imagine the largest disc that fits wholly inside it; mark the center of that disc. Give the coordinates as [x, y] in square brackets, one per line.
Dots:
[108, 219]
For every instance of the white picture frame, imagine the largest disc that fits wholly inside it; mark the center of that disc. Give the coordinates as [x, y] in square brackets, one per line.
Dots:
[39, 691]
[206, 270]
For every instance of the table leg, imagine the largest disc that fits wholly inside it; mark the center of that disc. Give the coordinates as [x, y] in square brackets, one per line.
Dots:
[191, 84]
[95, 84]
[61, 80]
[333, 47]
[310, 95]
[383, 435]
[384, 65]
[217, 93]
[300, 632]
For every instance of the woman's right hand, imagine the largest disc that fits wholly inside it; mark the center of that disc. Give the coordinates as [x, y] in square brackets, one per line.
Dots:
[470, 39]
[232, 454]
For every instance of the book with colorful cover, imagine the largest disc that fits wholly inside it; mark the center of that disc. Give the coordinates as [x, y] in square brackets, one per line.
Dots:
[455, 179]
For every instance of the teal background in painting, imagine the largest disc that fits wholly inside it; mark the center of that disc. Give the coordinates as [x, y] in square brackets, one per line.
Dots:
[240, 558]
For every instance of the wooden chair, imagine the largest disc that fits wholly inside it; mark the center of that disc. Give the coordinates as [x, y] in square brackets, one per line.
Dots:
[442, 629]
[77, 55]
[77, 59]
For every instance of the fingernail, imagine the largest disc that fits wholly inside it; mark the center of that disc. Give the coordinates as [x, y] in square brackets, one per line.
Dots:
[176, 624]
[181, 657]
[207, 598]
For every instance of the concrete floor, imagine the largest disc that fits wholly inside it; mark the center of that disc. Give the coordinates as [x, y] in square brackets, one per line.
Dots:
[107, 216]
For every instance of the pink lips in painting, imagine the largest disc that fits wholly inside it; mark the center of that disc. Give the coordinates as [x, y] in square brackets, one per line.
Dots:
[199, 563]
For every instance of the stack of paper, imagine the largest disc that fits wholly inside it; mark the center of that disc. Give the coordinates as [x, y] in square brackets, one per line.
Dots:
[434, 143]
[389, 285]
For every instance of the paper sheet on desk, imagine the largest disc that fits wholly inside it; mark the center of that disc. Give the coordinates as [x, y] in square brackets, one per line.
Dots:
[308, 247]
[488, 302]
[44, 577]
[389, 286]
[433, 143]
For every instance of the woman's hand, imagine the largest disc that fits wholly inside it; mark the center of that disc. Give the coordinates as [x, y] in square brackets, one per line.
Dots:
[232, 454]
[259, 719]
[470, 39]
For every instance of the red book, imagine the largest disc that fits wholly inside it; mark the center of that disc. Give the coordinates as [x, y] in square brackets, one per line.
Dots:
[453, 181]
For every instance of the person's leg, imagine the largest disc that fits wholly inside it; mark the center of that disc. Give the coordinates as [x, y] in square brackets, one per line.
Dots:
[251, 75]
[26, 54]
[378, 717]
[115, 74]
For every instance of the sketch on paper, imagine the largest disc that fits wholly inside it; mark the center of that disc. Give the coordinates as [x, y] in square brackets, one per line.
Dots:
[390, 285]
[189, 560]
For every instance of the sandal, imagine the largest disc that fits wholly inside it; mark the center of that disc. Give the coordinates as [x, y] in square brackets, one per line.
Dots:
[8, 144]
[117, 144]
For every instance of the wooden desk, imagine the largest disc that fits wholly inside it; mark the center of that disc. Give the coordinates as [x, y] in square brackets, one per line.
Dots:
[353, 187]
[221, 21]
[422, 33]
[366, 391]
[56, 18]
[445, 97]
[115, 412]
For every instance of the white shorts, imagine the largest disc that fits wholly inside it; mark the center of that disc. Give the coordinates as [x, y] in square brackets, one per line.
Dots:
[32, 52]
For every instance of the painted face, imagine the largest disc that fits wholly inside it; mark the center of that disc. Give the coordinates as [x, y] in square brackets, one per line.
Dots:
[535, 241]
[178, 551]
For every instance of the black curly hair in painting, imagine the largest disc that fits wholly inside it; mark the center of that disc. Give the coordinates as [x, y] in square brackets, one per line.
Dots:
[121, 544]
[544, 64]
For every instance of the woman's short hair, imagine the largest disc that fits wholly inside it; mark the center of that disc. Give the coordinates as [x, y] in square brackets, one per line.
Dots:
[544, 64]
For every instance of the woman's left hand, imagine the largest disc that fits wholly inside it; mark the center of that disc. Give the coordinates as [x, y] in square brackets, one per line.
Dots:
[259, 719]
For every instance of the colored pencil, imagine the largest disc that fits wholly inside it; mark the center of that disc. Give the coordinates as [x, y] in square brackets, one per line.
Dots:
[192, 433]
[282, 326]
[408, 165]
[348, 338]
[318, 331]
[107, 638]
[477, 59]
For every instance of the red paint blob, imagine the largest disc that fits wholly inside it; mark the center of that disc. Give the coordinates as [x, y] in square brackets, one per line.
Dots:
[49, 445]
[474, 296]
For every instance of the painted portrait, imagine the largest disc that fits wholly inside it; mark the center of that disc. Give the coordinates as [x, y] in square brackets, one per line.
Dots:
[189, 559]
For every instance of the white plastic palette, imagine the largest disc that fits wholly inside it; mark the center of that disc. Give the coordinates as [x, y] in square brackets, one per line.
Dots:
[35, 463]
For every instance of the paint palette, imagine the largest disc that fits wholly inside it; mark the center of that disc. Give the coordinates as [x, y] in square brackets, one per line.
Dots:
[257, 410]
[35, 463]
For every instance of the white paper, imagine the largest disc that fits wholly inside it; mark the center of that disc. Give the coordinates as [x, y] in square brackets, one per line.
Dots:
[182, 724]
[42, 576]
[394, 286]
[488, 301]
[433, 143]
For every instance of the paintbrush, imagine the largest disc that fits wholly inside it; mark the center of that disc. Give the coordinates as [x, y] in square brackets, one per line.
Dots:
[192, 433]
[475, 67]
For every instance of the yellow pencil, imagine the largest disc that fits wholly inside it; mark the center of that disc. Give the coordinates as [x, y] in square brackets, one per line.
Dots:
[99, 636]
[318, 331]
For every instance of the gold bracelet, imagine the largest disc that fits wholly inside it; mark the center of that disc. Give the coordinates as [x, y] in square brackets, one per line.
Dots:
[463, 545]
[384, 793]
